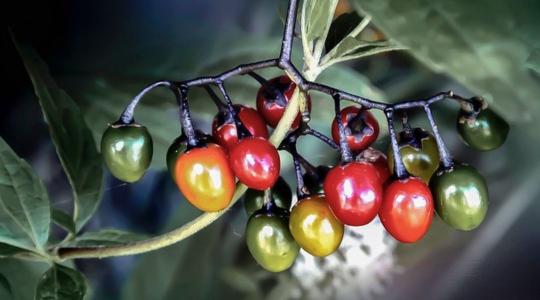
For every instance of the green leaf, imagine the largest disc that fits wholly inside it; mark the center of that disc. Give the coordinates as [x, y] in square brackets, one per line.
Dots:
[105, 237]
[73, 140]
[5, 288]
[22, 277]
[483, 44]
[533, 62]
[8, 250]
[61, 283]
[62, 219]
[352, 48]
[318, 15]
[24, 204]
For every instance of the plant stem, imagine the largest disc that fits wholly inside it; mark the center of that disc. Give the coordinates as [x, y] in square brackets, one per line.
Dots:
[446, 158]
[188, 229]
[399, 167]
[304, 84]
[127, 115]
[346, 155]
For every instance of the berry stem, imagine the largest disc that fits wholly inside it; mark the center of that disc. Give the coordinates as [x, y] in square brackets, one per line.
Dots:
[187, 229]
[267, 200]
[127, 115]
[446, 158]
[180, 88]
[185, 116]
[242, 132]
[399, 167]
[300, 187]
[217, 101]
[346, 154]
[288, 32]
[322, 137]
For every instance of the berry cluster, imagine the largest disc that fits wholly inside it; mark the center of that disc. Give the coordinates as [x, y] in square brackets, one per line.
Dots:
[419, 177]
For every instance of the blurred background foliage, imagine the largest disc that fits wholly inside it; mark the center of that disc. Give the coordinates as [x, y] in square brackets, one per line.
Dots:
[103, 52]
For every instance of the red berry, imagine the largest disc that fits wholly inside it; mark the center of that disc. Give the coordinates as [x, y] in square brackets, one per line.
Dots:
[378, 159]
[272, 107]
[407, 209]
[225, 133]
[361, 128]
[354, 192]
[255, 161]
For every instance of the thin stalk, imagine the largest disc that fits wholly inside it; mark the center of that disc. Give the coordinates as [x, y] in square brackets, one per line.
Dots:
[241, 130]
[322, 137]
[185, 116]
[399, 167]
[346, 154]
[127, 115]
[446, 158]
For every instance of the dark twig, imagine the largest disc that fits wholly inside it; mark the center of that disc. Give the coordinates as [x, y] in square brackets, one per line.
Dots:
[446, 158]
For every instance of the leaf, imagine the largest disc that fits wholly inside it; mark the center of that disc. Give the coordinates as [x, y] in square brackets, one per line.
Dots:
[105, 237]
[8, 250]
[22, 277]
[5, 288]
[60, 283]
[341, 28]
[73, 140]
[352, 48]
[62, 219]
[318, 18]
[24, 204]
[533, 62]
[483, 44]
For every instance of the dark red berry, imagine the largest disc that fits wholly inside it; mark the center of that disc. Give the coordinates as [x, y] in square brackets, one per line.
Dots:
[361, 128]
[272, 100]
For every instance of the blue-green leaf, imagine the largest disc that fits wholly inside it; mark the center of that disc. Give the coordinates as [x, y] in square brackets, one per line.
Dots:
[318, 19]
[62, 219]
[24, 204]
[73, 140]
[483, 44]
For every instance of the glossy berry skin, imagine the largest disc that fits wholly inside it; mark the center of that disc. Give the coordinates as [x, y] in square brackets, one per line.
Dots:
[485, 132]
[461, 196]
[205, 178]
[127, 150]
[270, 242]
[179, 146]
[314, 226]
[226, 134]
[407, 209]
[361, 128]
[255, 161]
[272, 108]
[378, 159]
[354, 192]
[421, 159]
[281, 193]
